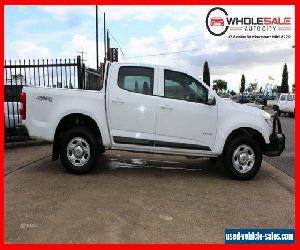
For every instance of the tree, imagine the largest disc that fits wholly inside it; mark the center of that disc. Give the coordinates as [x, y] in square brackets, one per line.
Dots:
[219, 85]
[252, 87]
[243, 84]
[206, 74]
[285, 80]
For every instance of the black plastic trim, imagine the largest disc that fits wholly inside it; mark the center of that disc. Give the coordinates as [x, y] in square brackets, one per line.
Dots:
[153, 143]
[181, 145]
[130, 140]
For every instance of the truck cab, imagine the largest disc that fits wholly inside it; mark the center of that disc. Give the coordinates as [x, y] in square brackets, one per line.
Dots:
[154, 109]
[157, 107]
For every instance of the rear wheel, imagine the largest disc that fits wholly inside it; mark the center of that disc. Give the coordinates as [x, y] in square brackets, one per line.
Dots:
[242, 157]
[78, 150]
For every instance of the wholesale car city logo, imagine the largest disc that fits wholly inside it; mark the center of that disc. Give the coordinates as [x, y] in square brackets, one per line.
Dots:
[219, 22]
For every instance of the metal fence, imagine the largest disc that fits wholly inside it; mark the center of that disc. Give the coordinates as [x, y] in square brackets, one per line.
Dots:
[58, 73]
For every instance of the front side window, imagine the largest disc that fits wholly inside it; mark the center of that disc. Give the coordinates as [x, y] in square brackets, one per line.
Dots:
[136, 79]
[183, 87]
[290, 98]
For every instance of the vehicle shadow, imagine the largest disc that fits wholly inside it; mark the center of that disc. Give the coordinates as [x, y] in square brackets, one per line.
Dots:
[159, 165]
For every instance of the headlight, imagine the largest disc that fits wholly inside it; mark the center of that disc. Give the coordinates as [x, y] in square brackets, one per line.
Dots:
[269, 121]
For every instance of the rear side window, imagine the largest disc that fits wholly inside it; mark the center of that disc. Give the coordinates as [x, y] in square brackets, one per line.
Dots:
[290, 98]
[136, 79]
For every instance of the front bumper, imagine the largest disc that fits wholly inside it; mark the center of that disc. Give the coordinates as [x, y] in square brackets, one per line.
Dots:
[277, 139]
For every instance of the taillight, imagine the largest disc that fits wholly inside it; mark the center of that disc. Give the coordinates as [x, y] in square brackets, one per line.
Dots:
[23, 105]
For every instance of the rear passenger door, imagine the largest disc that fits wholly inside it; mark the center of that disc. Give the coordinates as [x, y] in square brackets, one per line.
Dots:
[132, 106]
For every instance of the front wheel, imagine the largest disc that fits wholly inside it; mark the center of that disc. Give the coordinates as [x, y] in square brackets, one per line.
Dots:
[242, 158]
[78, 150]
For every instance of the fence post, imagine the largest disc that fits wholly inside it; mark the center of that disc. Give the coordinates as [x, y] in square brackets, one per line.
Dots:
[79, 73]
[83, 76]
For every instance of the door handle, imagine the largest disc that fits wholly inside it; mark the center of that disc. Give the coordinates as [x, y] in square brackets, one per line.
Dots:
[118, 101]
[166, 107]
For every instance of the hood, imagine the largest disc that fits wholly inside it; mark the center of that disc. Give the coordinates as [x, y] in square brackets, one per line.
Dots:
[245, 108]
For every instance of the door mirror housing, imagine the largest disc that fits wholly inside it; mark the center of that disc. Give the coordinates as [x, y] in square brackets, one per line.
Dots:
[211, 99]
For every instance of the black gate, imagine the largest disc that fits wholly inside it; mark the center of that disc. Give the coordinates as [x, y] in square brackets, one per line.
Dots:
[58, 73]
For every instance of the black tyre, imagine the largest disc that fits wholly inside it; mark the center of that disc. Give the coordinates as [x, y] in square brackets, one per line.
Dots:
[78, 150]
[242, 157]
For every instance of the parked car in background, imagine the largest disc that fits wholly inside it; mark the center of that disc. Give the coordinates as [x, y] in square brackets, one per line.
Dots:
[12, 106]
[272, 103]
[260, 99]
[241, 99]
[286, 104]
[270, 100]
[255, 104]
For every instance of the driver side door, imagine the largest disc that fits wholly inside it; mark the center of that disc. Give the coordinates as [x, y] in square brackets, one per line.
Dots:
[184, 119]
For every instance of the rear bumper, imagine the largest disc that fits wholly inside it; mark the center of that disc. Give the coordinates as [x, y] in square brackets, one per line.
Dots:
[277, 139]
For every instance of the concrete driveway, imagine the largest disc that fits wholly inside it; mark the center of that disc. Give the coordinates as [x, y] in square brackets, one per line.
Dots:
[137, 198]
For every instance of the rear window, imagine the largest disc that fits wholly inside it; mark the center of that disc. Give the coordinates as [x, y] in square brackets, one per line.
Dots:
[93, 79]
[282, 98]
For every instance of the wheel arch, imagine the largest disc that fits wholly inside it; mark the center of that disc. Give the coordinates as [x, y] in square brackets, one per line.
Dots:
[72, 120]
[251, 132]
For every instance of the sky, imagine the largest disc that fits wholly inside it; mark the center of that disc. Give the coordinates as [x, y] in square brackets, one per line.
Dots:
[47, 32]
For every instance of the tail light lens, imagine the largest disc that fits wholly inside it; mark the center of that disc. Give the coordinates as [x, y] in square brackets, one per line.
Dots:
[23, 105]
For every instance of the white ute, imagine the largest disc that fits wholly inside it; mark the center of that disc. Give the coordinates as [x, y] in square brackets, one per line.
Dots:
[286, 104]
[148, 108]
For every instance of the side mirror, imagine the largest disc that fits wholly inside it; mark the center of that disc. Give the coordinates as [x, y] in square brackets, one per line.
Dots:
[211, 99]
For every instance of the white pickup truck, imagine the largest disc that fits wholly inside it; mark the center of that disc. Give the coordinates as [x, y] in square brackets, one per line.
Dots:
[286, 104]
[148, 108]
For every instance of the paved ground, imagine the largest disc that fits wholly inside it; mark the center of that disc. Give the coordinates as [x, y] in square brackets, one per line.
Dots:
[16, 158]
[286, 161]
[137, 198]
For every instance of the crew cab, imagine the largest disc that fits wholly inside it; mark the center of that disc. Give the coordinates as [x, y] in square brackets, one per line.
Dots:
[149, 108]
